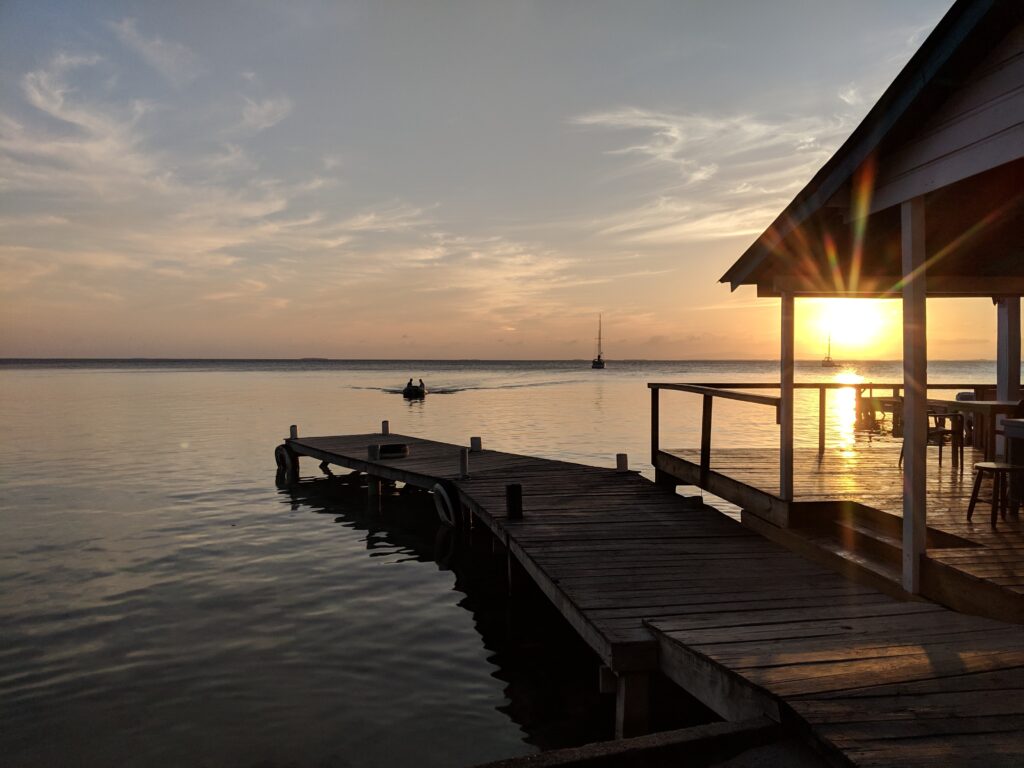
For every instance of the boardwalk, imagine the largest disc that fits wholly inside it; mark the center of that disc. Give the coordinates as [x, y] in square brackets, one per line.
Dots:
[651, 582]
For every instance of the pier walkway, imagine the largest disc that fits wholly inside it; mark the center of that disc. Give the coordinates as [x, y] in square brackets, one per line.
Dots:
[653, 582]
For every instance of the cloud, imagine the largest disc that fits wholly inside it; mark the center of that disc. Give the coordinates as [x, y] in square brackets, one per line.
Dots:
[850, 94]
[178, 65]
[213, 233]
[711, 176]
[259, 115]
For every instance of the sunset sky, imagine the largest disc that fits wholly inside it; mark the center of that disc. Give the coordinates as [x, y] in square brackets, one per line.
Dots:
[427, 179]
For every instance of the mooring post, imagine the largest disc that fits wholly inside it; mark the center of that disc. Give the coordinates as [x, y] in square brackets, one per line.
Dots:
[476, 444]
[293, 431]
[621, 462]
[385, 427]
[632, 704]
[463, 463]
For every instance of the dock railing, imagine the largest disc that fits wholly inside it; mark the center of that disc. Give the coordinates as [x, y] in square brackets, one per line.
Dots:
[739, 391]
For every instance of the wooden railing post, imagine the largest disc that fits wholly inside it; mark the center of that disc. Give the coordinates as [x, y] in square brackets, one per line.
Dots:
[655, 424]
[821, 420]
[786, 365]
[705, 441]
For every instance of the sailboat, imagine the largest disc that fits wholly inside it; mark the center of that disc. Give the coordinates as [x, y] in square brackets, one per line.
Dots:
[828, 362]
[598, 361]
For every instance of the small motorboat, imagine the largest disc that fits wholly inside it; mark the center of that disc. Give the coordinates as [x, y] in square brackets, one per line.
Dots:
[414, 392]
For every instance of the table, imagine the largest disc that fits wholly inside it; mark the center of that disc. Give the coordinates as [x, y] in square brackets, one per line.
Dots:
[988, 412]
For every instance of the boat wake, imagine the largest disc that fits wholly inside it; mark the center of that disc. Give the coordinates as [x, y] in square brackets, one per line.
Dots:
[432, 390]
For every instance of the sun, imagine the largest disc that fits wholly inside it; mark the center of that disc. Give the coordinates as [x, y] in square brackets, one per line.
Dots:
[857, 328]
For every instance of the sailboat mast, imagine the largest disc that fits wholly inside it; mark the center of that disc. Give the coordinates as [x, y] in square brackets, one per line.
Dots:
[599, 335]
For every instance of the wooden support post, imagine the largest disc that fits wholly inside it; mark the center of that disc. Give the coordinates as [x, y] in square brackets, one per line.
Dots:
[513, 572]
[632, 704]
[622, 462]
[514, 501]
[463, 462]
[1007, 356]
[915, 386]
[786, 398]
[655, 424]
[821, 420]
[705, 441]
[293, 466]
[385, 427]
[373, 495]
[476, 444]
[293, 432]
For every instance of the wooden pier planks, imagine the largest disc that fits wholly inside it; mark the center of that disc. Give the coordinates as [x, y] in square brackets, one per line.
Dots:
[750, 628]
[922, 686]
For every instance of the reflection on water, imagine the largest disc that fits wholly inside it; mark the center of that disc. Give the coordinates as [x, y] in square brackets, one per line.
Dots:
[545, 672]
[843, 412]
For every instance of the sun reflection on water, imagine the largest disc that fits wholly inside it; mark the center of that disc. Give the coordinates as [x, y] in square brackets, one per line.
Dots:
[844, 411]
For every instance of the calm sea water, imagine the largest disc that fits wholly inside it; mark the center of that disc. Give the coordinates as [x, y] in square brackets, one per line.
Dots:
[163, 603]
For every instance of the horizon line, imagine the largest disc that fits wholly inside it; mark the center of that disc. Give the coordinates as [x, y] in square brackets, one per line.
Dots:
[469, 359]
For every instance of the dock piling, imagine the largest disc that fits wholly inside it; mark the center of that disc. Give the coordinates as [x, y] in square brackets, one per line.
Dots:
[293, 431]
[621, 462]
[476, 444]
[385, 427]
[373, 494]
[463, 463]
[632, 704]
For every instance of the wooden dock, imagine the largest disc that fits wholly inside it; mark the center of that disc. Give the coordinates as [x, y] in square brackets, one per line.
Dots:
[653, 582]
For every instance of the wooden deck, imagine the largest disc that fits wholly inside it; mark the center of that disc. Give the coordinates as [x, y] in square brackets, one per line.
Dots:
[651, 582]
[983, 558]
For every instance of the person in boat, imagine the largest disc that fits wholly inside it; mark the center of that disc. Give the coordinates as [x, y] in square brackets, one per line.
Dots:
[410, 382]
[422, 385]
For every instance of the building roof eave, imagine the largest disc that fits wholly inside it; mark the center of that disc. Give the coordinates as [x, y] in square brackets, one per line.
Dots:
[917, 77]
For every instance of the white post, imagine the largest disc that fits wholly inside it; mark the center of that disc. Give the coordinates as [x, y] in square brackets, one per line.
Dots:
[1008, 348]
[915, 386]
[786, 364]
[1007, 353]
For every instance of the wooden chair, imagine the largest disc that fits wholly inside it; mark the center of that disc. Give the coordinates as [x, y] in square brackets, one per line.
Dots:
[938, 432]
[1001, 473]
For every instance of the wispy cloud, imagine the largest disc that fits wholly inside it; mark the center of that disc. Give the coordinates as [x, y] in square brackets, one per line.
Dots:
[213, 231]
[850, 94]
[178, 65]
[715, 175]
[259, 115]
